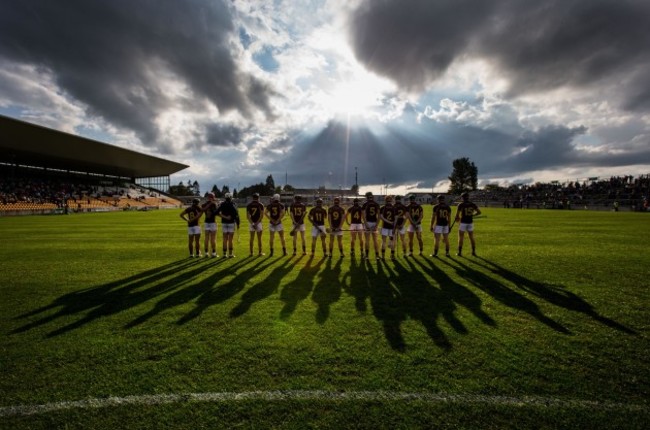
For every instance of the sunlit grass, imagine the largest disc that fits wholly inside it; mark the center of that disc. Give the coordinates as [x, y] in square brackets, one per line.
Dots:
[98, 305]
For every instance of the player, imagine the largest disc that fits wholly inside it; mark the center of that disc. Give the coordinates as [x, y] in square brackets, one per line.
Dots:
[275, 212]
[229, 220]
[255, 215]
[465, 214]
[209, 208]
[370, 218]
[387, 214]
[440, 222]
[317, 216]
[414, 213]
[400, 224]
[354, 218]
[336, 218]
[191, 215]
[298, 212]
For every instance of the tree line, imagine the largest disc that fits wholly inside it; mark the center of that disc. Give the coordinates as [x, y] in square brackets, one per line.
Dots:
[464, 177]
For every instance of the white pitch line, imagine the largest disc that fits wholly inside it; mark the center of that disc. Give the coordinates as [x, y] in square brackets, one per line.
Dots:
[319, 395]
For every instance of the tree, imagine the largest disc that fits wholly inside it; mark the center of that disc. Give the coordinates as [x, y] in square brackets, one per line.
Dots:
[215, 191]
[355, 189]
[464, 177]
[182, 190]
[270, 184]
[196, 191]
[225, 189]
[288, 188]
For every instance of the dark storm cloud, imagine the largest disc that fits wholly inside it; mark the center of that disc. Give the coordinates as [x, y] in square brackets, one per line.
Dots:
[397, 156]
[414, 41]
[109, 54]
[537, 45]
[223, 135]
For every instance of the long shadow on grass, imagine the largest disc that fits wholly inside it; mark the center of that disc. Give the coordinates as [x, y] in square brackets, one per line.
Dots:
[327, 290]
[263, 289]
[114, 297]
[502, 293]
[557, 295]
[219, 287]
[357, 286]
[387, 305]
[299, 289]
[201, 289]
[450, 291]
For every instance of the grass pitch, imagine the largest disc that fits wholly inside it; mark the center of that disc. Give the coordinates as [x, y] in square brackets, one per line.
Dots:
[547, 328]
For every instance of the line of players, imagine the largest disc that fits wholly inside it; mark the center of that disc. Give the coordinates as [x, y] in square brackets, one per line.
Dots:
[393, 221]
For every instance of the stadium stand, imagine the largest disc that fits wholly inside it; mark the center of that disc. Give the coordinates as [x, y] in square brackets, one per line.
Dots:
[629, 192]
[46, 171]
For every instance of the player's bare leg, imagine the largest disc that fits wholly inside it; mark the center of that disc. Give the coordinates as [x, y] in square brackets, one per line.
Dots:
[471, 239]
[284, 246]
[461, 238]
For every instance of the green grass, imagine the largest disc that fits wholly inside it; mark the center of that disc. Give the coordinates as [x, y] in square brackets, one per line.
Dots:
[555, 307]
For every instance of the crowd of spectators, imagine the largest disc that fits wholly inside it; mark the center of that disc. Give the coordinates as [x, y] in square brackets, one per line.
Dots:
[41, 189]
[618, 191]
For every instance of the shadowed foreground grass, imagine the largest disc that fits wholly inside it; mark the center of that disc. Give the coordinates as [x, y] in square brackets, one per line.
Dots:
[554, 307]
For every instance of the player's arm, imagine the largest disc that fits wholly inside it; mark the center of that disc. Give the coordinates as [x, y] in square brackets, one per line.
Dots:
[433, 219]
[477, 211]
[382, 217]
[221, 213]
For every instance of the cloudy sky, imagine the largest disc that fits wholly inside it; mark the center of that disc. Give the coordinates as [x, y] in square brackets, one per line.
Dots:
[312, 91]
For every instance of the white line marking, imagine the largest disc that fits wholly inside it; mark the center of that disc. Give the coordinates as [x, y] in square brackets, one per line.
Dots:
[344, 396]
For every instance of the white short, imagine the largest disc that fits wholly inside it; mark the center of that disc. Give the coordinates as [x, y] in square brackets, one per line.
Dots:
[401, 230]
[192, 231]
[466, 227]
[356, 227]
[228, 228]
[387, 232]
[256, 227]
[441, 229]
[276, 228]
[210, 226]
[336, 232]
[371, 227]
[318, 230]
[415, 228]
[300, 227]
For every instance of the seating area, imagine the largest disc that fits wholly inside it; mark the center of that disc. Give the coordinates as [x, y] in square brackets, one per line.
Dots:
[24, 192]
[625, 192]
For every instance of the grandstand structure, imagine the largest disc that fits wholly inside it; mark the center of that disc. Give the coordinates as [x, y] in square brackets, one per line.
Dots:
[43, 170]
